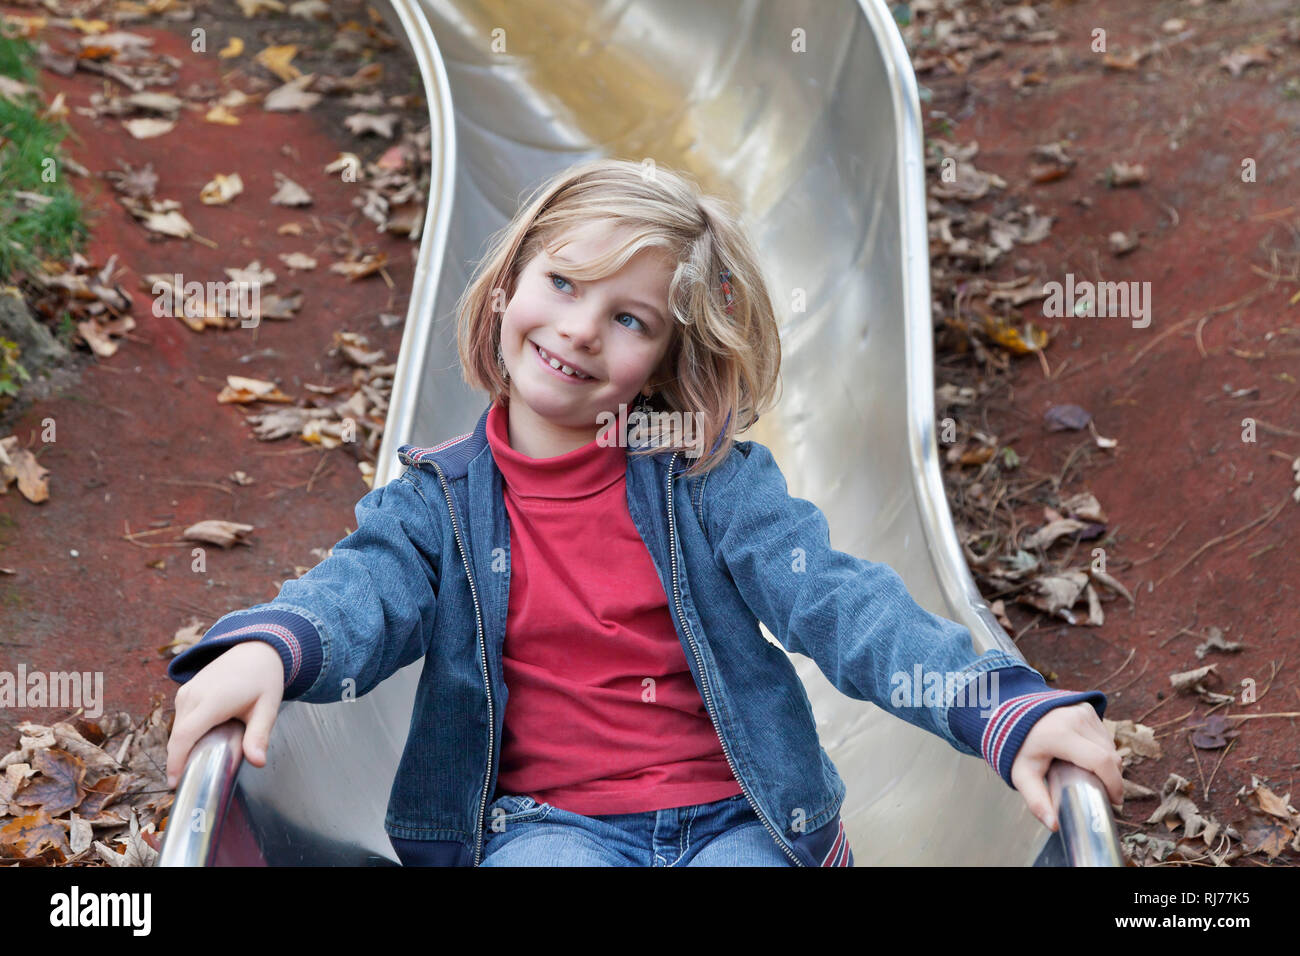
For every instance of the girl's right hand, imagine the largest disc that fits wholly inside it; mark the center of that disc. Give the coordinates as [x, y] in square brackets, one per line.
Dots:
[244, 681]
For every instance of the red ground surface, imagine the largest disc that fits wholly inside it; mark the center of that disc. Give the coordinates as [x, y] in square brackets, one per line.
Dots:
[141, 431]
[1180, 460]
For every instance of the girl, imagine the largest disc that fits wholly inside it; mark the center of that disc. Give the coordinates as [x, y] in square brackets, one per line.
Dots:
[587, 595]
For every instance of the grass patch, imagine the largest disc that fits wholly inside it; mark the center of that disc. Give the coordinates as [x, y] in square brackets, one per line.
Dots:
[51, 227]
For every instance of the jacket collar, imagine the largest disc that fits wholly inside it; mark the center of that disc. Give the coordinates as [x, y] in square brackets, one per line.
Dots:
[455, 455]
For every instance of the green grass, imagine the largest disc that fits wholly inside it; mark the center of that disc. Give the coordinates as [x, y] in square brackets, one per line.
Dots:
[30, 232]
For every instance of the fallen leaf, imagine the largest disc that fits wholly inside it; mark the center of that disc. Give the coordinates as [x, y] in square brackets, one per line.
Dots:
[1269, 836]
[1212, 733]
[58, 786]
[136, 183]
[219, 114]
[253, 8]
[184, 639]
[1044, 536]
[362, 123]
[310, 9]
[293, 95]
[163, 217]
[253, 274]
[148, 127]
[1062, 417]
[1239, 59]
[221, 189]
[277, 60]
[245, 390]
[1214, 642]
[298, 260]
[156, 102]
[31, 477]
[1124, 174]
[289, 193]
[368, 265]
[32, 833]
[215, 531]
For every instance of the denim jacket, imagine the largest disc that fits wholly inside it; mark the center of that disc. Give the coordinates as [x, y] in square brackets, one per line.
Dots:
[427, 573]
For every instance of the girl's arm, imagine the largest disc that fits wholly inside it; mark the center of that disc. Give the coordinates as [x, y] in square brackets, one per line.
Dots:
[361, 614]
[859, 624]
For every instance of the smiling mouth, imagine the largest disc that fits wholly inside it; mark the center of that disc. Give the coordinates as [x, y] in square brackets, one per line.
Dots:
[558, 367]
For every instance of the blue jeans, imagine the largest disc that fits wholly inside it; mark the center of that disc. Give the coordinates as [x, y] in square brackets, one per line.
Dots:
[522, 832]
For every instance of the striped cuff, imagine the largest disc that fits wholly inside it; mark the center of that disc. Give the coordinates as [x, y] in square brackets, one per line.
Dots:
[997, 729]
[292, 635]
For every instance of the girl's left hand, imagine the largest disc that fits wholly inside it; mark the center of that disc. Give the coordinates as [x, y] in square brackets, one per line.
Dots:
[1074, 734]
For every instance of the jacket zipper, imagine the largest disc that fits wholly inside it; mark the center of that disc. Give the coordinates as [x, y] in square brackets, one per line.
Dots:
[704, 677]
[487, 684]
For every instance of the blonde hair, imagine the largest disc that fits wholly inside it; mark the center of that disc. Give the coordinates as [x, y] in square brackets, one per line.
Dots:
[723, 367]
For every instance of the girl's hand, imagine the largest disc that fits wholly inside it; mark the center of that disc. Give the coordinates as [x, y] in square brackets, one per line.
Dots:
[245, 681]
[1074, 734]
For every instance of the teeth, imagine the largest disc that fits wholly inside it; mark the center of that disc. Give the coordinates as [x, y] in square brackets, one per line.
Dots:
[555, 363]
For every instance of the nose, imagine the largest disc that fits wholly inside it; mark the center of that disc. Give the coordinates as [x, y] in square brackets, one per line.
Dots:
[580, 326]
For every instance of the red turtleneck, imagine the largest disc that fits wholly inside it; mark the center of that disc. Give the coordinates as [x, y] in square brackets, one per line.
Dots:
[602, 714]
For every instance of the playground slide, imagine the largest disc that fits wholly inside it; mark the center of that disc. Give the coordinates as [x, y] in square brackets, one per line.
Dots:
[805, 115]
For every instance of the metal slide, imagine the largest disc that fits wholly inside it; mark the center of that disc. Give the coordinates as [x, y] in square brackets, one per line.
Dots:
[806, 115]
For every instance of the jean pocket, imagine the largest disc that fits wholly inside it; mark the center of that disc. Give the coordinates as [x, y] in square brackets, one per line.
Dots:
[509, 810]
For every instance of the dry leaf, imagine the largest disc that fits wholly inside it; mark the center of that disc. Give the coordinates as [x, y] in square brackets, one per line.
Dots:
[215, 531]
[221, 190]
[31, 477]
[1191, 680]
[161, 216]
[298, 260]
[156, 102]
[253, 274]
[184, 639]
[294, 95]
[358, 270]
[1044, 536]
[362, 123]
[148, 127]
[1124, 174]
[1214, 642]
[245, 390]
[277, 60]
[219, 114]
[253, 8]
[310, 9]
[1239, 59]
[58, 786]
[289, 193]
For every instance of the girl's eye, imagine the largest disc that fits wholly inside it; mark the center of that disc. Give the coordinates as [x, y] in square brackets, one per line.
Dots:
[553, 276]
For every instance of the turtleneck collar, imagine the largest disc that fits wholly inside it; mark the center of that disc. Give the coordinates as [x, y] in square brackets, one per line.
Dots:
[575, 474]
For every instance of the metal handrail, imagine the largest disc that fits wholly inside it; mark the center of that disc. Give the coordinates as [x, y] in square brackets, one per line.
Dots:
[198, 812]
[1079, 792]
[1084, 818]
[207, 784]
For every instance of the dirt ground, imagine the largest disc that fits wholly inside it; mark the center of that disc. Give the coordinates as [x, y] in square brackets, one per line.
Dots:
[143, 443]
[1221, 258]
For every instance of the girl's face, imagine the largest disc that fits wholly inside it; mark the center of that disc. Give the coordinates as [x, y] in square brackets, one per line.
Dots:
[615, 331]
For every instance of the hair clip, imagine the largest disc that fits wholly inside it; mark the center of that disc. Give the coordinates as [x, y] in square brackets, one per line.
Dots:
[727, 292]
